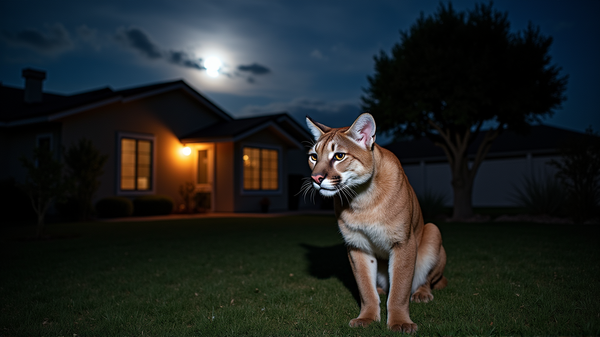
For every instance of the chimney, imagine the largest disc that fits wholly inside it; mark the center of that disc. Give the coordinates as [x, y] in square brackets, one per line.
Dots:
[33, 85]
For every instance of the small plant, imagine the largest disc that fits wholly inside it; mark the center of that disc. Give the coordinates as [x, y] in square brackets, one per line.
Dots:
[114, 207]
[84, 164]
[432, 204]
[579, 171]
[153, 205]
[264, 204]
[202, 200]
[187, 194]
[44, 183]
[540, 195]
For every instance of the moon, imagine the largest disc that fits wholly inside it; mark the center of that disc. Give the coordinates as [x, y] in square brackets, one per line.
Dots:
[212, 65]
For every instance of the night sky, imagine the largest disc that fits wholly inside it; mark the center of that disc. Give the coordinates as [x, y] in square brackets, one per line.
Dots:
[303, 57]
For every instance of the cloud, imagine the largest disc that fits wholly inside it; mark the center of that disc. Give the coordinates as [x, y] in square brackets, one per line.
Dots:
[89, 36]
[254, 69]
[316, 54]
[334, 114]
[183, 59]
[54, 40]
[140, 41]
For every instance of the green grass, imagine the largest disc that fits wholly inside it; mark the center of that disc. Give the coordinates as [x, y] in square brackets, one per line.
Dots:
[285, 277]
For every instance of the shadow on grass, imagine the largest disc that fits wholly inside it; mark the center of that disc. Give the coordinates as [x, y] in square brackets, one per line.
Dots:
[332, 261]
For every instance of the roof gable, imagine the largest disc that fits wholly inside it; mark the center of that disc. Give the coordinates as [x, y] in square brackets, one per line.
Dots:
[237, 129]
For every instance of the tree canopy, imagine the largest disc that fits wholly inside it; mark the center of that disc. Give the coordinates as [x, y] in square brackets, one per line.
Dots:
[456, 74]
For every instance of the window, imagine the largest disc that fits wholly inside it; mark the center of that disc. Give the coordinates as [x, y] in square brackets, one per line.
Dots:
[261, 169]
[136, 164]
[44, 141]
[202, 171]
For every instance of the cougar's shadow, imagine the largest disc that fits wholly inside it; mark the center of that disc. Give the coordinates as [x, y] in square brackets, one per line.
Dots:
[332, 261]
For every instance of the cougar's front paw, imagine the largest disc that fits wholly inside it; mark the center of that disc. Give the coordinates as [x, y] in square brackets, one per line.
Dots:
[364, 322]
[421, 297]
[404, 327]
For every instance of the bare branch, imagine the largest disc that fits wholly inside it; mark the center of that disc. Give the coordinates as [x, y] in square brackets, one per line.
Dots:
[484, 148]
[445, 136]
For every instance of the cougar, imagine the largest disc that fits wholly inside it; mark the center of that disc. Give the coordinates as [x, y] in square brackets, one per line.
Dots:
[390, 248]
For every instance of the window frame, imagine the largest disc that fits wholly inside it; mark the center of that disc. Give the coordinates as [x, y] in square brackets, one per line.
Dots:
[136, 136]
[41, 136]
[279, 150]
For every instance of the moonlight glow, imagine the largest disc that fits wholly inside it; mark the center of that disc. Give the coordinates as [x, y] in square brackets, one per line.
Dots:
[212, 65]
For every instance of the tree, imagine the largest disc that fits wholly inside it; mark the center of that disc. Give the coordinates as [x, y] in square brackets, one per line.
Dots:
[84, 165]
[579, 171]
[44, 183]
[456, 75]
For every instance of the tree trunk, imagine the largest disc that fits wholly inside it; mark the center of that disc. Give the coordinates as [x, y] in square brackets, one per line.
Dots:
[463, 193]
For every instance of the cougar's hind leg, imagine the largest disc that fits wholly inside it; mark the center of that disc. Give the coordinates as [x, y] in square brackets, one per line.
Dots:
[383, 277]
[429, 269]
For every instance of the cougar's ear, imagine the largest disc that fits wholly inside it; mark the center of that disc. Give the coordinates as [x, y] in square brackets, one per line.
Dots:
[362, 131]
[317, 129]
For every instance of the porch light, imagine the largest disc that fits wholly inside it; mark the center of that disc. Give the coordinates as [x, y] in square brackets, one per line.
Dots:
[186, 151]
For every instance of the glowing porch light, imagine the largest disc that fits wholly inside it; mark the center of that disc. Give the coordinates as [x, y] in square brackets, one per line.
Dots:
[186, 151]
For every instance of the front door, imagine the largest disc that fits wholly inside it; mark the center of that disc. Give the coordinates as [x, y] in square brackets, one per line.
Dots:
[204, 176]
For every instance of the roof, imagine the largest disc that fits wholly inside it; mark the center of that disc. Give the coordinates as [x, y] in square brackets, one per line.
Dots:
[14, 111]
[237, 129]
[542, 139]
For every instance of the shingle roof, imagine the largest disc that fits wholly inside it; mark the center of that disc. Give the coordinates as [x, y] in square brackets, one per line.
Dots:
[14, 108]
[234, 129]
[542, 139]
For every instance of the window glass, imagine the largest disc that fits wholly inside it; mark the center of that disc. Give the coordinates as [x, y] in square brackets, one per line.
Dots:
[202, 172]
[261, 169]
[136, 164]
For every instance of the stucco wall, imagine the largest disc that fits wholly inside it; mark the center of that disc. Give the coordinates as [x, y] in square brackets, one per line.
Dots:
[224, 177]
[166, 117]
[20, 141]
[495, 182]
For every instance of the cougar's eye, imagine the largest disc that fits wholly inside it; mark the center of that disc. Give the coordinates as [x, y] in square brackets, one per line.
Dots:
[313, 157]
[339, 156]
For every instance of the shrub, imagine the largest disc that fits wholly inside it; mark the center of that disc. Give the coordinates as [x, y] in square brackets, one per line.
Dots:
[153, 205]
[84, 164]
[114, 207]
[432, 204]
[540, 196]
[579, 171]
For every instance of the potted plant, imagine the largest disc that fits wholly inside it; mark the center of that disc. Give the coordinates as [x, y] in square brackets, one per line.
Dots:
[264, 204]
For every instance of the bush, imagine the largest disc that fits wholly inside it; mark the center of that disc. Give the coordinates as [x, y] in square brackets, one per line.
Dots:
[114, 207]
[432, 204]
[540, 196]
[153, 205]
[579, 171]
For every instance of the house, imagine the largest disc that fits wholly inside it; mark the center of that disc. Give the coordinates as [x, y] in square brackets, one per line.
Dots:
[511, 159]
[158, 137]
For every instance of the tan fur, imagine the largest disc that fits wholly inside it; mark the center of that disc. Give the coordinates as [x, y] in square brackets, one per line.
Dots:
[380, 219]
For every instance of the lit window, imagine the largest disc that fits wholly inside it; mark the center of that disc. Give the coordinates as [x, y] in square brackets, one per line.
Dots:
[261, 169]
[136, 164]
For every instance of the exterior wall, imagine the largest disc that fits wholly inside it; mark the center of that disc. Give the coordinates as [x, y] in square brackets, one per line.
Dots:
[297, 163]
[249, 201]
[495, 183]
[166, 117]
[20, 141]
[224, 177]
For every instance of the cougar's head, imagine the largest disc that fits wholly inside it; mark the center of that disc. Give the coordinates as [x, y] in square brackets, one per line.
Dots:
[341, 158]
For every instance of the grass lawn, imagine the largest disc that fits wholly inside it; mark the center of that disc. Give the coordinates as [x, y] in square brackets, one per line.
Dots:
[286, 276]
